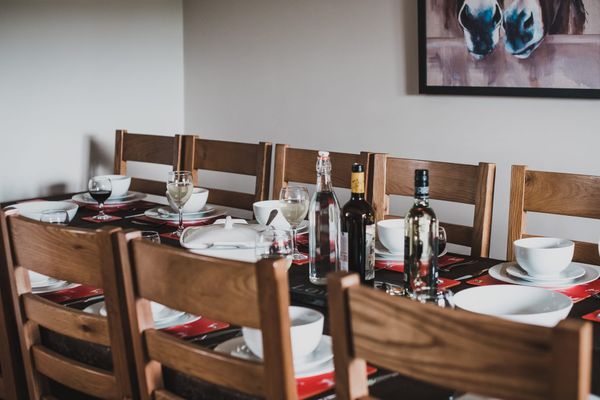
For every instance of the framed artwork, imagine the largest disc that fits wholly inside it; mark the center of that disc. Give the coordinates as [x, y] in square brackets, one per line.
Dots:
[548, 48]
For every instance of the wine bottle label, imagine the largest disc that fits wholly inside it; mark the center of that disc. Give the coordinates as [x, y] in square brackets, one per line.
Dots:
[370, 252]
[344, 252]
[422, 192]
[358, 182]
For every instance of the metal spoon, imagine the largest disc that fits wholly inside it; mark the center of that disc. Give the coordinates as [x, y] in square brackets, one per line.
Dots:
[272, 216]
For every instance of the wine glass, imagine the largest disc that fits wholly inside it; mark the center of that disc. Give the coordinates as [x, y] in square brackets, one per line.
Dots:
[100, 188]
[275, 243]
[442, 241]
[438, 296]
[151, 236]
[294, 207]
[179, 190]
[59, 217]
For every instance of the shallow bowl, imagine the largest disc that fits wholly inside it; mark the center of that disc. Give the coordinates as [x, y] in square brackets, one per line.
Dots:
[543, 257]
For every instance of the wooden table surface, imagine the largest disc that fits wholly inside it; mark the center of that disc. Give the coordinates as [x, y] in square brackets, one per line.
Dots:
[302, 293]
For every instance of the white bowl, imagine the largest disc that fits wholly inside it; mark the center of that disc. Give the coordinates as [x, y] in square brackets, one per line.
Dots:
[544, 257]
[262, 209]
[197, 201]
[306, 332]
[120, 185]
[529, 305]
[391, 234]
[34, 209]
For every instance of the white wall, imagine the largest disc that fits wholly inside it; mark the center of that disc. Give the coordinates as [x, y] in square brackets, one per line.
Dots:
[73, 71]
[342, 74]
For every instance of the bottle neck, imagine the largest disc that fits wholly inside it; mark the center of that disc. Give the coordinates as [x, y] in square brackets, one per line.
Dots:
[324, 182]
[358, 186]
[422, 195]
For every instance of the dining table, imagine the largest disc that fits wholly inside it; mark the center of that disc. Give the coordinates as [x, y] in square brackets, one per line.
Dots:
[458, 272]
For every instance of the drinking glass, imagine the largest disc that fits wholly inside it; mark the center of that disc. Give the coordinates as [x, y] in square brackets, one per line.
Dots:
[442, 241]
[179, 190]
[275, 243]
[294, 207]
[100, 188]
[151, 236]
[440, 297]
[59, 217]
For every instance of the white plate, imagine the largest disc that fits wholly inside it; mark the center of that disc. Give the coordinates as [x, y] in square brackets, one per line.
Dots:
[41, 281]
[573, 271]
[166, 213]
[154, 214]
[131, 197]
[60, 285]
[499, 272]
[99, 308]
[34, 209]
[530, 305]
[237, 347]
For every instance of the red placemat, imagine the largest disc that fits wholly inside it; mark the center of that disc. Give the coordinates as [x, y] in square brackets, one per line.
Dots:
[175, 224]
[195, 328]
[76, 293]
[398, 265]
[314, 385]
[593, 316]
[576, 293]
[95, 221]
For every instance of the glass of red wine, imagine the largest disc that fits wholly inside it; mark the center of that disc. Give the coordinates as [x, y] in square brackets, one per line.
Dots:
[100, 188]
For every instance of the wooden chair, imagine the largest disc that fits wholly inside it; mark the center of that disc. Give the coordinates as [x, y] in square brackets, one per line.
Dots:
[12, 380]
[453, 348]
[165, 150]
[299, 165]
[233, 157]
[552, 193]
[460, 183]
[252, 295]
[74, 255]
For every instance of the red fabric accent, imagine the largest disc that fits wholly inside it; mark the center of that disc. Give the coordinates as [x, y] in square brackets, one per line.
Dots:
[195, 328]
[314, 385]
[593, 316]
[76, 293]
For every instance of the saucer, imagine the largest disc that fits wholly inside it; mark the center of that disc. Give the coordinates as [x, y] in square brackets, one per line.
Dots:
[499, 272]
[573, 271]
[181, 318]
[130, 197]
[318, 362]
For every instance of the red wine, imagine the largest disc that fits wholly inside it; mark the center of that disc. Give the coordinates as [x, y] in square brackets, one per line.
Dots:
[358, 230]
[100, 195]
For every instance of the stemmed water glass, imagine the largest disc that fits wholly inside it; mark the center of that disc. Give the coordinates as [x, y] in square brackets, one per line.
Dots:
[100, 188]
[58, 217]
[179, 190]
[275, 243]
[294, 207]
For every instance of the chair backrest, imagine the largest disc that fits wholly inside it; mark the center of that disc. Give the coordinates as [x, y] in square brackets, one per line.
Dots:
[460, 183]
[246, 294]
[72, 255]
[299, 165]
[12, 379]
[152, 149]
[251, 159]
[552, 193]
[453, 348]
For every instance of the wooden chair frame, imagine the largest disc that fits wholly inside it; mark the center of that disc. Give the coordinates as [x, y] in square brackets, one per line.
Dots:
[251, 159]
[298, 165]
[453, 348]
[460, 183]
[74, 255]
[552, 193]
[153, 149]
[246, 294]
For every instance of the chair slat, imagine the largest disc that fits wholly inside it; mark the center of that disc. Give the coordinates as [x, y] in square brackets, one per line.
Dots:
[205, 364]
[158, 188]
[162, 394]
[562, 194]
[165, 271]
[223, 156]
[69, 322]
[68, 254]
[456, 349]
[229, 198]
[148, 148]
[460, 234]
[78, 376]
[2, 389]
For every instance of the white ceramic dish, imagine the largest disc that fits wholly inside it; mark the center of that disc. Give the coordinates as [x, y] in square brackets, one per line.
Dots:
[306, 332]
[196, 202]
[530, 305]
[34, 209]
[120, 185]
[391, 234]
[60, 285]
[543, 257]
[224, 235]
[158, 214]
[99, 308]
[262, 209]
[237, 347]
[130, 197]
[570, 273]
[499, 272]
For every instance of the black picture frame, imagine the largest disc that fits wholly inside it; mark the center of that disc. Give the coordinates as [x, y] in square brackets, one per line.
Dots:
[424, 88]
